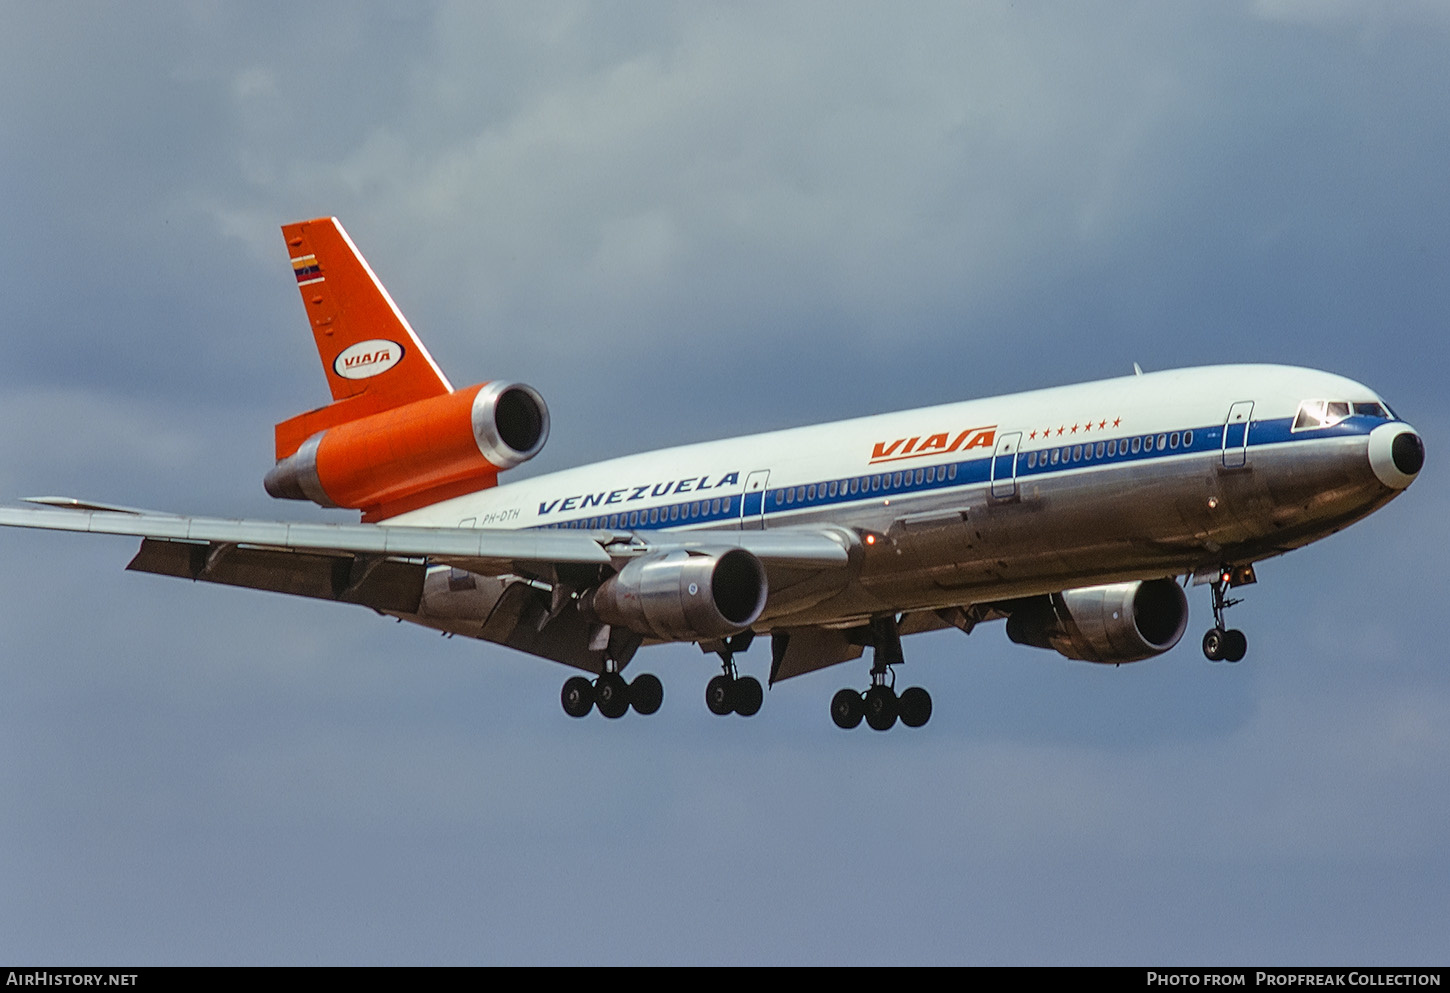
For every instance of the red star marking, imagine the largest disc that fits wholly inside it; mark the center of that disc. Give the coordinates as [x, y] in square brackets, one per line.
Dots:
[1103, 424]
[1032, 435]
[1117, 421]
[1089, 426]
[1059, 430]
[1074, 429]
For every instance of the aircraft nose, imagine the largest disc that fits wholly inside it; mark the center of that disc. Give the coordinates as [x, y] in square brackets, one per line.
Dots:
[1396, 453]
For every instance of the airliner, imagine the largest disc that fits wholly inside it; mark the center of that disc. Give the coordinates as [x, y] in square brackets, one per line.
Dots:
[1077, 514]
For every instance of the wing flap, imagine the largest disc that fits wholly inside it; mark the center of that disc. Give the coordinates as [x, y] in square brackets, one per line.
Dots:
[383, 585]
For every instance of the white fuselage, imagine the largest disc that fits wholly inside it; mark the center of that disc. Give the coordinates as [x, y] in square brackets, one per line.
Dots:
[1139, 477]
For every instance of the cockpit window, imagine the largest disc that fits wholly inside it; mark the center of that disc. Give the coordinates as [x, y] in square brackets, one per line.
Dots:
[1315, 414]
[1327, 413]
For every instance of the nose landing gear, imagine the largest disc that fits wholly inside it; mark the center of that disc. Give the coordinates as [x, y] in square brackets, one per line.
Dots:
[1221, 643]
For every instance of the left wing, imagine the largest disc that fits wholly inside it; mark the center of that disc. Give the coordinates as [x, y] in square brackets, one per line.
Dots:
[383, 565]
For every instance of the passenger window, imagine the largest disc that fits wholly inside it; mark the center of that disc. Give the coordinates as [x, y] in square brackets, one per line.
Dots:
[896, 481]
[1137, 445]
[1077, 453]
[1188, 439]
[833, 487]
[654, 515]
[1098, 452]
[1112, 448]
[920, 475]
[811, 492]
[728, 502]
[790, 496]
[675, 510]
[1054, 456]
[1173, 440]
[1162, 440]
[855, 485]
[952, 471]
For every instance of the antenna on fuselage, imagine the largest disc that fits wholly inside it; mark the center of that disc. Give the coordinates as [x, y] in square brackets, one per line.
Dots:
[1137, 369]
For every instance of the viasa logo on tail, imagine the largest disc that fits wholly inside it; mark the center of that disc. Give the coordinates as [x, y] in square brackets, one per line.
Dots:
[925, 446]
[367, 358]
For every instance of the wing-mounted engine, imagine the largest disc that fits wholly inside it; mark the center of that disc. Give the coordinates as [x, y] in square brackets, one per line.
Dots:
[415, 454]
[1120, 622]
[680, 595]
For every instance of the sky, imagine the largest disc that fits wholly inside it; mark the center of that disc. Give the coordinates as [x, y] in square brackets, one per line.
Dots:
[679, 223]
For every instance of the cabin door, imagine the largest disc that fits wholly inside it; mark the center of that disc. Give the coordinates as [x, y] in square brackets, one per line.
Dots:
[752, 501]
[1236, 434]
[1004, 466]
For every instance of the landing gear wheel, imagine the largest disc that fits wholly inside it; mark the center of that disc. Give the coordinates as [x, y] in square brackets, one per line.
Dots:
[748, 696]
[611, 695]
[1235, 645]
[646, 693]
[720, 695]
[881, 707]
[914, 705]
[1213, 644]
[577, 696]
[847, 709]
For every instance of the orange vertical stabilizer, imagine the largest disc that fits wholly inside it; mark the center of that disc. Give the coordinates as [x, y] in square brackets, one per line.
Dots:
[370, 354]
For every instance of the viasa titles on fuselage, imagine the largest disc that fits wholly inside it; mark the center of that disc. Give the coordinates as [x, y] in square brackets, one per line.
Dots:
[1076, 514]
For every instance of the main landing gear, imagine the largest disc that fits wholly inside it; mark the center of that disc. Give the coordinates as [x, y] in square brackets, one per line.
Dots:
[880, 705]
[1222, 644]
[730, 692]
[612, 695]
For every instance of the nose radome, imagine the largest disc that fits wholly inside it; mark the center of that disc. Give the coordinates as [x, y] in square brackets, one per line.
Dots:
[1408, 453]
[1396, 453]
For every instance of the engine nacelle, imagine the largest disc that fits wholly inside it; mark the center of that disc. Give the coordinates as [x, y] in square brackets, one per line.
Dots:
[684, 596]
[1121, 622]
[418, 453]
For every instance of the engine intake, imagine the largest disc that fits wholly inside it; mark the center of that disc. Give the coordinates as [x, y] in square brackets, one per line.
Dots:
[1120, 622]
[684, 595]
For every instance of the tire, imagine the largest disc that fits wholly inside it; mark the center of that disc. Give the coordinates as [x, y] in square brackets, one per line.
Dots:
[577, 696]
[646, 693]
[914, 705]
[1235, 645]
[611, 695]
[748, 696]
[846, 709]
[881, 708]
[1213, 644]
[720, 695]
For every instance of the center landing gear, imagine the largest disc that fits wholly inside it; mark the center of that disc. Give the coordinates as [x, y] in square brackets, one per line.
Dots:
[612, 695]
[1221, 643]
[730, 692]
[880, 705]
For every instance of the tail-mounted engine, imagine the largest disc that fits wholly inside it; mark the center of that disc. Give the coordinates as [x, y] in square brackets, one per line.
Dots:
[1121, 622]
[683, 596]
[418, 453]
